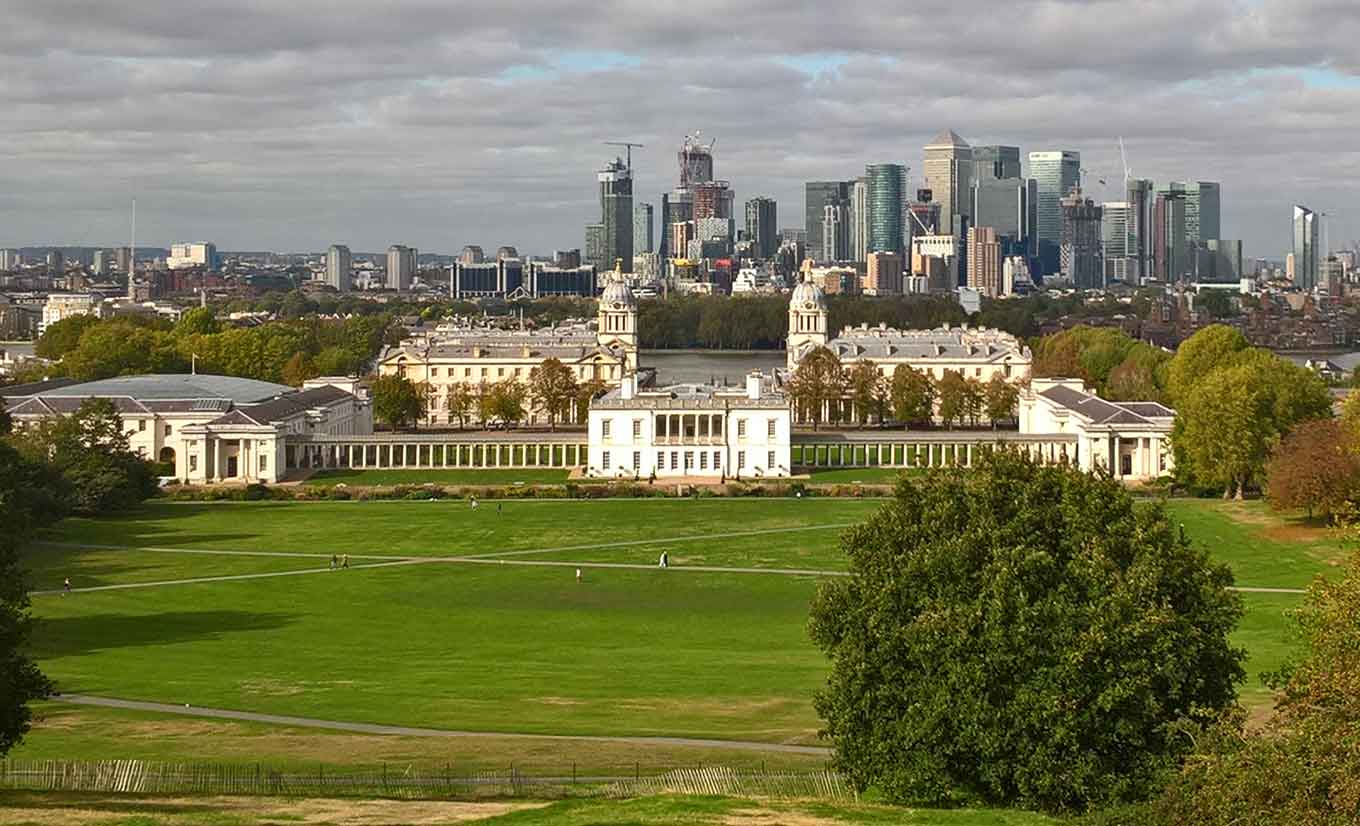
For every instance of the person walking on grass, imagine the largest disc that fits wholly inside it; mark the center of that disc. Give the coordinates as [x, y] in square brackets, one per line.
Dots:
[498, 508]
[474, 503]
[665, 561]
[344, 561]
[66, 586]
[335, 562]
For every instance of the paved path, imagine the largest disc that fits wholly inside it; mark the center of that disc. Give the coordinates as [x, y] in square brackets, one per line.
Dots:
[408, 731]
[211, 551]
[1248, 590]
[125, 586]
[631, 566]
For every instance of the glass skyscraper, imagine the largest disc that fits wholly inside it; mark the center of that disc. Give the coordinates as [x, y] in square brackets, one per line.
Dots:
[1000, 162]
[1056, 173]
[886, 193]
[1305, 248]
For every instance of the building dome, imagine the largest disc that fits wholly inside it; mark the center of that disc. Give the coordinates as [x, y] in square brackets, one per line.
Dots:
[807, 296]
[617, 296]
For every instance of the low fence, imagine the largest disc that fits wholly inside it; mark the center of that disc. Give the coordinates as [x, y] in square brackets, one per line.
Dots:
[146, 777]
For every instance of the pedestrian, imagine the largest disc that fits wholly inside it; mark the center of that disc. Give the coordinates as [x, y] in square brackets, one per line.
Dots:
[474, 503]
[578, 574]
[498, 508]
[335, 562]
[344, 561]
[665, 561]
[66, 584]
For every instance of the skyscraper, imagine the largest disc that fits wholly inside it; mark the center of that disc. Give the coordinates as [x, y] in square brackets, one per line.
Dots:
[616, 216]
[643, 239]
[859, 220]
[984, 261]
[835, 232]
[886, 185]
[339, 265]
[1055, 174]
[1306, 268]
[999, 162]
[818, 194]
[1139, 197]
[401, 267]
[1168, 236]
[1079, 252]
[1117, 242]
[1004, 204]
[949, 175]
[761, 221]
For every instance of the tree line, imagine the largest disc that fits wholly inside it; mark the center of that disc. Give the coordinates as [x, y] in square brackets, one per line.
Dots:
[823, 390]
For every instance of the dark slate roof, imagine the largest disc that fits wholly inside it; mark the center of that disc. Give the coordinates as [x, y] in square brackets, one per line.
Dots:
[285, 406]
[1094, 408]
[1151, 410]
[35, 388]
[172, 386]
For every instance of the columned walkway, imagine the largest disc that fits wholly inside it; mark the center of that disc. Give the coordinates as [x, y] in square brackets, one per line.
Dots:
[923, 449]
[444, 450]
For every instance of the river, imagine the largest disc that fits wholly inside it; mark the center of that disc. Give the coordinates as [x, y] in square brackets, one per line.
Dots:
[699, 366]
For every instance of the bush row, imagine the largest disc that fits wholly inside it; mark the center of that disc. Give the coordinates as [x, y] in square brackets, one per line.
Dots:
[625, 490]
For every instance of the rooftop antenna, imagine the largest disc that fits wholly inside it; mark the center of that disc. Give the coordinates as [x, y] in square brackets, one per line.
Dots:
[628, 149]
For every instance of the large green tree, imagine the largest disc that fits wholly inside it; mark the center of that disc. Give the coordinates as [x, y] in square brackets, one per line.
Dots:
[1023, 634]
[913, 395]
[90, 450]
[62, 337]
[953, 393]
[817, 387]
[1001, 399]
[1223, 431]
[552, 385]
[868, 391]
[1213, 347]
[398, 401]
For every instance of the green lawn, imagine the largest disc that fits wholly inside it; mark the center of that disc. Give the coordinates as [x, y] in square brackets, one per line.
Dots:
[495, 647]
[861, 475]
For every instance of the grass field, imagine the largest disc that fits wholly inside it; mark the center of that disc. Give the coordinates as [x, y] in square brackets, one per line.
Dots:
[461, 476]
[474, 620]
[78, 810]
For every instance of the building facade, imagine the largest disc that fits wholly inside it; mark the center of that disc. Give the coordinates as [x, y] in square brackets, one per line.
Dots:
[1129, 440]
[1306, 262]
[644, 238]
[1080, 250]
[761, 222]
[984, 262]
[691, 431]
[616, 216]
[339, 267]
[401, 267]
[886, 194]
[1055, 174]
[186, 255]
[996, 162]
[818, 195]
[949, 175]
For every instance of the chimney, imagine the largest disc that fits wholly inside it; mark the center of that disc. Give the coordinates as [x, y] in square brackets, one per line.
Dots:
[753, 385]
[627, 387]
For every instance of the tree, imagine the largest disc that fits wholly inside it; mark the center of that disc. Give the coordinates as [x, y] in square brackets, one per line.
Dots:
[460, 403]
[28, 499]
[1223, 430]
[6, 421]
[90, 451]
[1315, 467]
[818, 386]
[1020, 634]
[1001, 398]
[553, 387]
[197, 321]
[1301, 766]
[974, 399]
[120, 347]
[504, 402]
[952, 390]
[586, 392]
[1133, 381]
[913, 395]
[1212, 347]
[299, 369]
[62, 337]
[398, 401]
[867, 396]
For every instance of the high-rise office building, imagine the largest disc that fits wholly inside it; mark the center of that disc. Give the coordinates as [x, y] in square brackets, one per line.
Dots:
[1139, 195]
[818, 194]
[186, 255]
[401, 267]
[835, 232]
[616, 217]
[1055, 174]
[56, 262]
[886, 185]
[1006, 205]
[949, 175]
[761, 223]
[1306, 262]
[883, 274]
[1203, 208]
[859, 220]
[1168, 236]
[999, 162]
[339, 266]
[1117, 242]
[10, 260]
[100, 264]
[471, 254]
[594, 250]
[984, 261]
[1079, 252]
[643, 238]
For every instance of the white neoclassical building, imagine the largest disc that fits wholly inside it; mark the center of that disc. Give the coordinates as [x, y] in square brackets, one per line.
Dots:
[1130, 440]
[973, 352]
[691, 431]
[479, 356]
[211, 428]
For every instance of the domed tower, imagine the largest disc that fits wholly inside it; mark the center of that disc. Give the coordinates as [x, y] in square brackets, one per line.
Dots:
[617, 325]
[807, 320]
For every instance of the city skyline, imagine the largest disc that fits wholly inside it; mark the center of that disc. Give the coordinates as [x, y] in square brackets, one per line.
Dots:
[408, 125]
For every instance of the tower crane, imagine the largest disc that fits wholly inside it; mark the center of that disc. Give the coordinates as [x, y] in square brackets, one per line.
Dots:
[628, 149]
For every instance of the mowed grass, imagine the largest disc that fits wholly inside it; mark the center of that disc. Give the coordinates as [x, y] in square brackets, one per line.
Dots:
[668, 810]
[455, 476]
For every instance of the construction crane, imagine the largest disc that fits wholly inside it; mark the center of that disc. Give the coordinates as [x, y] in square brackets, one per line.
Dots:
[628, 151]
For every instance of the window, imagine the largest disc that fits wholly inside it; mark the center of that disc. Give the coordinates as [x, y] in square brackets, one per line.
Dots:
[467, 372]
[675, 460]
[500, 371]
[604, 428]
[769, 460]
[264, 463]
[193, 462]
[141, 425]
[717, 459]
[167, 430]
[661, 460]
[769, 429]
[741, 459]
[434, 371]
[689, 459]
[637, 430]
[637, 461]
[483, 372]
[741, 428]
[604, 460]
[703, 460]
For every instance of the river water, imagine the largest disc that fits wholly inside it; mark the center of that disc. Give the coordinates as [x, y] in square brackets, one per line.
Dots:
[698, 366]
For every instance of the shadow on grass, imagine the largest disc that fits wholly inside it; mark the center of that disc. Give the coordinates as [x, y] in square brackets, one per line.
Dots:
[75, 636]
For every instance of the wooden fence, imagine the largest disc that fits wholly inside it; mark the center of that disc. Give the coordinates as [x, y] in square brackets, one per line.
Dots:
[145, 777]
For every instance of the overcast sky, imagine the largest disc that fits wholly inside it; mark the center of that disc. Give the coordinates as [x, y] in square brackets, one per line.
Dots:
[293, 124]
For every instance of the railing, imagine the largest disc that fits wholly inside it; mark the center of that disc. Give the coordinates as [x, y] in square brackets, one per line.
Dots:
[145, 777]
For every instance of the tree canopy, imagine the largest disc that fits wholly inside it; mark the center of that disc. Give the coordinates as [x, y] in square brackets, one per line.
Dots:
[398, 401]
[1117, 366]
[553, 387]
[818, 386]
[1020, 634]
[1315, 468]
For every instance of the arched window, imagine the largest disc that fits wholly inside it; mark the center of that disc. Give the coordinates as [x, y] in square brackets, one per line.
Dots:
[167, 455]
